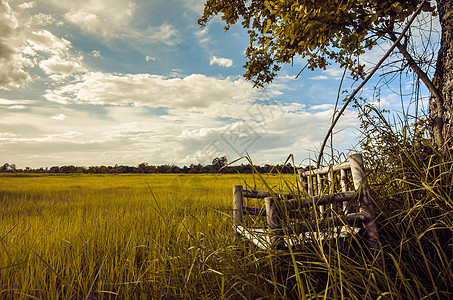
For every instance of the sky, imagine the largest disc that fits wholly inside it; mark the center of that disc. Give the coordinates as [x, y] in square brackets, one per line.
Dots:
[102, 82]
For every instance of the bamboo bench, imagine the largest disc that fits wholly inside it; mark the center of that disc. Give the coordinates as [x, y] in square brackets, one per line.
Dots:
[333, 202]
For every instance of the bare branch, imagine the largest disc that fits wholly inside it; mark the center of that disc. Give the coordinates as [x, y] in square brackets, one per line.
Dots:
[376, 67]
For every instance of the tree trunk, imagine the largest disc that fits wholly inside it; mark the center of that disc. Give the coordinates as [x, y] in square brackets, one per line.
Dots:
[441, 110]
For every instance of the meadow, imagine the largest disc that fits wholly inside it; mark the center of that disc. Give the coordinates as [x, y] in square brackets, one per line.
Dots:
[118, 236]
[170, 237]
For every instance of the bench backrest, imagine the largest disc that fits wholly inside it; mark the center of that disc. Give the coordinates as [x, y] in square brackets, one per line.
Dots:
[318, 188]
[324, 181]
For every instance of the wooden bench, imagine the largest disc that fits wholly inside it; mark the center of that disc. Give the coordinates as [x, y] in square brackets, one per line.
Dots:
[333, 202]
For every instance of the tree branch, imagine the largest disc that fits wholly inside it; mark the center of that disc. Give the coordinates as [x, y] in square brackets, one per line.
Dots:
[414, 66]
[376, 67]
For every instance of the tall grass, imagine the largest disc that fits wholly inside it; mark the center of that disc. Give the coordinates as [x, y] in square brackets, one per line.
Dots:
[413, 191]
[157, 236]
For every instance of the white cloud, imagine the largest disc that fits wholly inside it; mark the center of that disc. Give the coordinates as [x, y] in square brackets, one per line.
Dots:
[55, 96]
[15, 104]
[57, 65]
[203, 37]
[96, 53]
[334, 72]
[12, 61]
[19, 107]
[27, 5]
[113, 20]
[195, 6]
[326, 106]
[104, 17]
[67, 137]
[12, 102]
[223, 62]
[320, 77]
[41, 19]
[152, 90]
[130, 135]
[149, 58]
[276, 136]
[89, 22]
[25, 44]
[165, 33]
[47, 42]
[59, 117]
[12, 74]
[7, 135]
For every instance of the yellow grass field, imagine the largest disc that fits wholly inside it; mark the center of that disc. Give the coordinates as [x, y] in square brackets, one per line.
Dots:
[120, 236]
[171, 237]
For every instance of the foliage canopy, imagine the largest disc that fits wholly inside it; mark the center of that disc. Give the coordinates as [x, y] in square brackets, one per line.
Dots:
[320, 31]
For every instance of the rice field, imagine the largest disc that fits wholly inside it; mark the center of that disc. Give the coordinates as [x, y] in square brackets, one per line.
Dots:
[170, 237]
[118, 236]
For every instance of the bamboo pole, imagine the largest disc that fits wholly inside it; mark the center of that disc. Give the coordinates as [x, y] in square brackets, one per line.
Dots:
[366, 205]
[319, 192]
[264, 194]
[297, 202]
[303, 182]
[304, 202]
[344, 188]
[309, 185]
[331, 186]
[319, 200]
[326, 170]
[238, 204]
[273, 223]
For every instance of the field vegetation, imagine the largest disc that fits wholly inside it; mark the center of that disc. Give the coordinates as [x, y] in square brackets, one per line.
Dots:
[120, 236]
[170, 236]
[154, 236]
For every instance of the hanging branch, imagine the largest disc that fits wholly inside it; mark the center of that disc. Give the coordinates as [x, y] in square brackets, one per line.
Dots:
[376, 67]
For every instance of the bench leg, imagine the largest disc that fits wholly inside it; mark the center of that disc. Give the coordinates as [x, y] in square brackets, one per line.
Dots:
[238, 204]
[366, 205]
[273, 224]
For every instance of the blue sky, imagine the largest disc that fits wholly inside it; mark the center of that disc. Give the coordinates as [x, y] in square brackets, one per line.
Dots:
[101, 82]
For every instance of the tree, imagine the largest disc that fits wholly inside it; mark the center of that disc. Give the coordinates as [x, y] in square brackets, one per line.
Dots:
[8, 168]
[340, 31]
[142, 168]
[195, 169]
[218, 163]
[54, 169]
[5, 168]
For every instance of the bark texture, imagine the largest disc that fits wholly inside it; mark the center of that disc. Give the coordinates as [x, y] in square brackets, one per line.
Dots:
[441, 110]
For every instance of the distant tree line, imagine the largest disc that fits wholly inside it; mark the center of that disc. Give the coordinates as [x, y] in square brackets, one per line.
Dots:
[218, 165]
